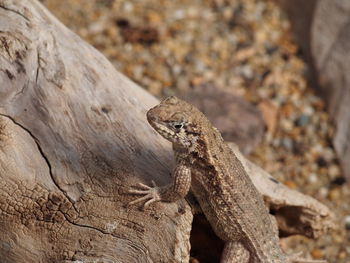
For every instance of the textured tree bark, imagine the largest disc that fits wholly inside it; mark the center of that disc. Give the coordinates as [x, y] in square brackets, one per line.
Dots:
[73, 138]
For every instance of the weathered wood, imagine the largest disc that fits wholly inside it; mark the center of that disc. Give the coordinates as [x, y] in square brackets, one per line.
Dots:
[322, 29]
[295, 213]
[73, 137]
[330, 46]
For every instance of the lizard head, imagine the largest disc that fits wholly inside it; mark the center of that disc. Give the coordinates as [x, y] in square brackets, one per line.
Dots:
[177, 121]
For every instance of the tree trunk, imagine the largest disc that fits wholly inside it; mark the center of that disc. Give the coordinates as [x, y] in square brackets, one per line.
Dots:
[73, 138]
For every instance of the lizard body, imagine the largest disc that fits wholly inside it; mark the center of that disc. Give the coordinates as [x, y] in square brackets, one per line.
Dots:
[227, 196]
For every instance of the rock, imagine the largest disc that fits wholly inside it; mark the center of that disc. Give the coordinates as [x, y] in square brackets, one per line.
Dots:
[317, 253]
[237, 120]
[287, 143]
[347, 222]
[302, 120]
[339, 180]
[137, 34]
[290, 184]
[269, 112]
[312, 178]
[334, 194]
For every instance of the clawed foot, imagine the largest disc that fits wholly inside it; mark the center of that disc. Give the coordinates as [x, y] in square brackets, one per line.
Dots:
[150, 194]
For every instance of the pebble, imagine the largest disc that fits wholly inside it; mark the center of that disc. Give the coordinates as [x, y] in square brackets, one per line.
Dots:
[343, 255]
[308, 110]
[287, 143]
[323, 192]
[302, 120]
[96, 27]
[199, 67]
[334, 171]
[138, 71]
[347, 222]
[290, 184]
[286, 124]
[154, 18]
[312, 178]
[317, 253]
[179, 14]
[334, 194]
[176, 69]
[247, 72]
[339, 180]
[128, 7]
[269, 113]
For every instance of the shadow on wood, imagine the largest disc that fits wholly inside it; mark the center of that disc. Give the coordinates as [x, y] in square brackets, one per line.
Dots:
[73, 138]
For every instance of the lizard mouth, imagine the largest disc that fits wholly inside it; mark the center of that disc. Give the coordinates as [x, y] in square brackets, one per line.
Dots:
[162, 129]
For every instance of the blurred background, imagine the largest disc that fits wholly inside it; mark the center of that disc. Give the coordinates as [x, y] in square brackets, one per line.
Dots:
[240, 62]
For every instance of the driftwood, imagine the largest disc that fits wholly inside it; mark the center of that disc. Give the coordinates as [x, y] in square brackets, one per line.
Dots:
[322, 29]
[330, 38]
[73, 138]
[295, 213]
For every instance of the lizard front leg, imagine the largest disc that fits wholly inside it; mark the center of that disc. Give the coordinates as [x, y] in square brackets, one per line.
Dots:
[235, 252]
[169, 193]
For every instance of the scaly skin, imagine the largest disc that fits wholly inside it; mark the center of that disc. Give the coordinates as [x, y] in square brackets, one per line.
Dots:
[227, 196]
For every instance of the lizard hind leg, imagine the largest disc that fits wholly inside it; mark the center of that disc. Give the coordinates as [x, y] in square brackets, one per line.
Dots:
[235, 252]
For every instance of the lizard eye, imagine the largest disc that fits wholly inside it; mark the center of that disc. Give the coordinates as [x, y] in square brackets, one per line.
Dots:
[178, 126]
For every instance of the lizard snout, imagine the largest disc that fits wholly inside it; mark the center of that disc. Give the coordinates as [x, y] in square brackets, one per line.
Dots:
[150, 117]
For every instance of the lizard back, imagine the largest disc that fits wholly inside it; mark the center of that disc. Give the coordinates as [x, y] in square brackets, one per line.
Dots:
[227, 196]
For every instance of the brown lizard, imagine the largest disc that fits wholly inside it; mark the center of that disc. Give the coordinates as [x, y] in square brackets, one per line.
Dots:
[227, 196]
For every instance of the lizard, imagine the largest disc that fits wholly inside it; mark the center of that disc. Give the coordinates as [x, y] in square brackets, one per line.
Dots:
[206, 165]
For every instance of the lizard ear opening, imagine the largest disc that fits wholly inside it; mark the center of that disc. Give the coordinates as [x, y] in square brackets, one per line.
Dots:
[177, 126]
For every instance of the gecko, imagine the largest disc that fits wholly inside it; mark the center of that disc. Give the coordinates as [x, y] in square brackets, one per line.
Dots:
[206, 165]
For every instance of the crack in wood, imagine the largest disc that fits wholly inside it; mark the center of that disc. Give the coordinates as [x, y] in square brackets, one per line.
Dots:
[41, 152]
[14, 11]
[141, 248]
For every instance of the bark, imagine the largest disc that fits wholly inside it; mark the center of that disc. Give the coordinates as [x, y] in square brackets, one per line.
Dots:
[73, 138]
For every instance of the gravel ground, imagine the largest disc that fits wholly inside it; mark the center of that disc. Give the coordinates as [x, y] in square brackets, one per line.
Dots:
[243, 47]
